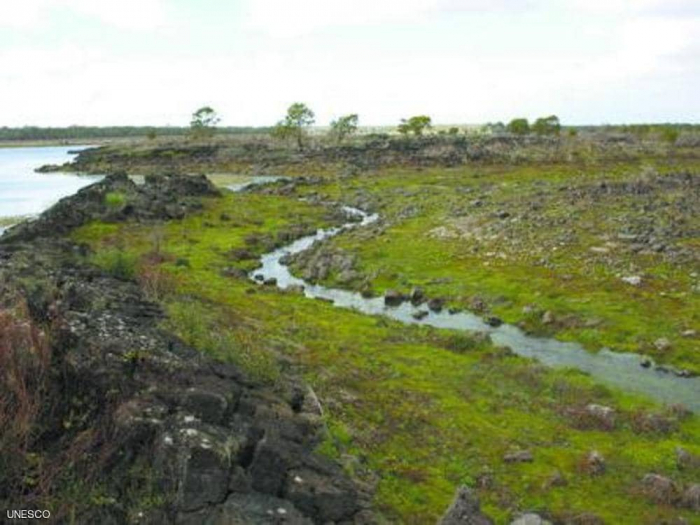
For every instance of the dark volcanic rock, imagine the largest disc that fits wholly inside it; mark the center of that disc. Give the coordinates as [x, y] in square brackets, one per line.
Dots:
[494, 321]
[436, 304]
[465, 510]
[660, 488]
[218, 447]
[161, 197]
[393, 298]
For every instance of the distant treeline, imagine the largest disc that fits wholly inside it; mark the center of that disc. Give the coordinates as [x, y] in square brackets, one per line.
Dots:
[643, 129]
[94, 132]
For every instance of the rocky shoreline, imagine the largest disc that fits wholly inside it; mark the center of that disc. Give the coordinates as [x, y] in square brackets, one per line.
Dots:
[370, 152]
[217, 446]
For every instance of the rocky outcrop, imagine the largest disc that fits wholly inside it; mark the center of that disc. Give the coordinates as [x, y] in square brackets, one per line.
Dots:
[322, 261]
[118, 198]
[217, 447]
[370, 152]
[465, 510]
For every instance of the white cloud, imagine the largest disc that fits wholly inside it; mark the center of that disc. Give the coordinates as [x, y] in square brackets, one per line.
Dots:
[122, 14]
[21, 14]
[287, 18]
[638, 7]
[602, 61]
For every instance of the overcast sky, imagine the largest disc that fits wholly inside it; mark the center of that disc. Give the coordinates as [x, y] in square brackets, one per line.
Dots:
[153, 62]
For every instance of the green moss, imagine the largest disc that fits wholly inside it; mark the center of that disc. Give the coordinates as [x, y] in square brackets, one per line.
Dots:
[421, 409]
[115, 199]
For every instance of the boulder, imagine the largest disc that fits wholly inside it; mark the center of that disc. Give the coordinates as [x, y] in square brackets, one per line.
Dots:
[494, 321]
[233, 271]
[548, 317]
[393, 298]
[691, 497]
[603, 416]
[686, 460]
[465, 509]
[594, 463]
[530, 519]
[417, 295]
[436, 304]
[662, 344]
[660, 489]
[316, 493]
[519, 456]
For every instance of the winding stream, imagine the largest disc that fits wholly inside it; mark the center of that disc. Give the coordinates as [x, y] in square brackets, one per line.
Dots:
[617, 369]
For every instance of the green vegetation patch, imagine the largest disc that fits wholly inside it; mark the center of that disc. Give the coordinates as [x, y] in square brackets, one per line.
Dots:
[411, 410]
[603, 255]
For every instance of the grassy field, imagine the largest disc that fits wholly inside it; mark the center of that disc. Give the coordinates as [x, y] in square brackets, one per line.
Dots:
[413, 411]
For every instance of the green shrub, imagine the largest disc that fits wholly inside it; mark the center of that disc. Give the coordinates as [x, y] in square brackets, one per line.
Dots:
[461, 342]
[115, 199]
[117, 263]
[670, 135]
[518, 126]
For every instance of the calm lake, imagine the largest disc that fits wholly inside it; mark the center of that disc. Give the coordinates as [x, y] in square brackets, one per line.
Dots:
[23, 192]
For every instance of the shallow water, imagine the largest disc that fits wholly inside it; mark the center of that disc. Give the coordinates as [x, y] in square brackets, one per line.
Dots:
[622, 370]
[244, 182]
[25, 193]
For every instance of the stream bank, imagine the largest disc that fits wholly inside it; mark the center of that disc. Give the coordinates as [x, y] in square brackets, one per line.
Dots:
[626, 371]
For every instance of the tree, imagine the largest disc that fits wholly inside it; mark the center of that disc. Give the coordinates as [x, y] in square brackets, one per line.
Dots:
[204, 122]
[495, 128]
[416, 125]
[518, 126]
[344, 126]
[547, 125]
[299, 118]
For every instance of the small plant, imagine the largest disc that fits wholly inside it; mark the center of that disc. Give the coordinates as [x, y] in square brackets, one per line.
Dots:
[24, 362]
[670, 135]
[117, 263]
[132, 359]
[461, 343]
[182, 262]
[115, 199]
[155, 282]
